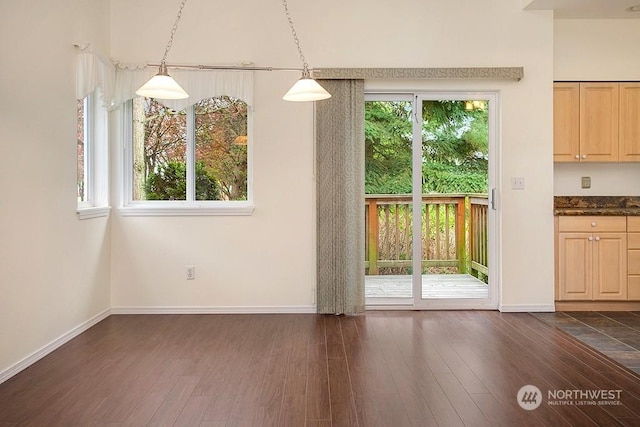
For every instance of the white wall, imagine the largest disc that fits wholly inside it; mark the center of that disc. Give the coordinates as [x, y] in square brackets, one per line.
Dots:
[595, 50]
[268, 259]
[54, 269]
[607, 179]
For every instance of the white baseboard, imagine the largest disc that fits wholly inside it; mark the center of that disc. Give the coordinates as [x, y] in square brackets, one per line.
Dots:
[39, 354]
[527, 308]
[293, 309]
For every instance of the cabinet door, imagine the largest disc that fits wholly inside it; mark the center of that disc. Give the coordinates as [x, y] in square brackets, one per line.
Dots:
[629, 122]
[575, 266]
[566, 122]
[599, 122]
[610, 266]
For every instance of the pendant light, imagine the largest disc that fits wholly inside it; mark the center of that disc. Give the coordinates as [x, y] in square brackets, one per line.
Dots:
[162, 85]
[305, 89]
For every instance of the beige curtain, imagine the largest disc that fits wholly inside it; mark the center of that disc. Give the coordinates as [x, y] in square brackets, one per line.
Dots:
[340, 197]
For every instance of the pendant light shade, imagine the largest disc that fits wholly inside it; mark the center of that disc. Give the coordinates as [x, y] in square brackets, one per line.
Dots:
[306, 89]
[162, 86]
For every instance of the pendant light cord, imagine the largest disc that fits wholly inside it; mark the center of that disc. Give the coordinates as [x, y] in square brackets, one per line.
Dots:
[305, 66]
[173, 32]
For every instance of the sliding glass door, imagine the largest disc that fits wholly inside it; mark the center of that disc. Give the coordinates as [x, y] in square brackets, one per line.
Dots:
[429, 183]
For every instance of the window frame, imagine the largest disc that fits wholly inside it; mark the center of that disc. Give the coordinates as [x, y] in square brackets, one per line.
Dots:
[96, 163]
[190, 206]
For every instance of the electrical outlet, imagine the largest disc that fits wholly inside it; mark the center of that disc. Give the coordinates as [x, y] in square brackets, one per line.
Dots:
[191, 272]
[517, 183]
[586, 182]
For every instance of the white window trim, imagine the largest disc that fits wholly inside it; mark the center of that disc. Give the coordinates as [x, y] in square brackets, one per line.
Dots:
[93, 212]
[130, 207]
[96, 167]
[186, 210]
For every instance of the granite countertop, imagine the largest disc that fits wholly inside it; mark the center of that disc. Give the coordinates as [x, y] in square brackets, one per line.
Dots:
[596, 205]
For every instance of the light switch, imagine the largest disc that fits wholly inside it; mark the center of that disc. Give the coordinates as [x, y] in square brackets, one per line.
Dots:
[586, 182]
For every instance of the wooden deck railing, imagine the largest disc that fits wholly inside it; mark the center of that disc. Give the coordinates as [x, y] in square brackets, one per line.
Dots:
[447, 220]
[478, 226]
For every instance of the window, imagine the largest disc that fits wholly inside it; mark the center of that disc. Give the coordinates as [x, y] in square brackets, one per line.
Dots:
[91, 158]
[82, 150]
[193, 162]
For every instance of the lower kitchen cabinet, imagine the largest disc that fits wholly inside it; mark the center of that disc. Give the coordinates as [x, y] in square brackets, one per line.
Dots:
[592, 259]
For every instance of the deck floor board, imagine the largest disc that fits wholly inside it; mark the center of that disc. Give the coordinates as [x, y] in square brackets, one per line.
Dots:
[437, 286]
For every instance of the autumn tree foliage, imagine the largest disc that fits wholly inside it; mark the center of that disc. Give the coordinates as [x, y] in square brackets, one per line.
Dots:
[221, 144]
[160, 150]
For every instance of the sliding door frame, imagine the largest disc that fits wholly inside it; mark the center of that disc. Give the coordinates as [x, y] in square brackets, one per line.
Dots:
[417, 302]
[491, 302]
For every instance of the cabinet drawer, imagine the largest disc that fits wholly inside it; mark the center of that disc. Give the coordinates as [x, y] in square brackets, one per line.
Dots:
[633, 291]
[633, 240]
[588, 224]
[633, 262]
[633, 223]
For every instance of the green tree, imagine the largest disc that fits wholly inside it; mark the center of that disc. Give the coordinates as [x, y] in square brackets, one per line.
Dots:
[454, 144]
[455, 147]
[388, 136]
[170, 183]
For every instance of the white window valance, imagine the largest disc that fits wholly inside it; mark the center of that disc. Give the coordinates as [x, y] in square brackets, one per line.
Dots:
[93, 71]
[118, 83]
[199, 84]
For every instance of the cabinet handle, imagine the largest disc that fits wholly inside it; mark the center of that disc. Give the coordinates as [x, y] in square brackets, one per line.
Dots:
[597, 238]
[590, 238]
[584, 156]
[577, 156]
[593, 224]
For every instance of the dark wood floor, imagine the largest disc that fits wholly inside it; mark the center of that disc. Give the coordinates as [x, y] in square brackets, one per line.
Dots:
[379, 369]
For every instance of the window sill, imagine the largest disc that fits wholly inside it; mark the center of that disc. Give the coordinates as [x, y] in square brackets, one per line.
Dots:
[186, 211]
[93, 212]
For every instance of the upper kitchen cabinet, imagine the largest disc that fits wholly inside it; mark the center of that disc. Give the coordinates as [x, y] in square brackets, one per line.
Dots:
[596, 122]
[566, 122]
[629, 122]
[599, 106]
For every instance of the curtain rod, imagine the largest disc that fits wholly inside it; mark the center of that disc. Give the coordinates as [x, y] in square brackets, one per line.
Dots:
[225, 67]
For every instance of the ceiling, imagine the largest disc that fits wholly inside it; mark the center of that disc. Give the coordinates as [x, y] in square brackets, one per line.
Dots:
[586, 9]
